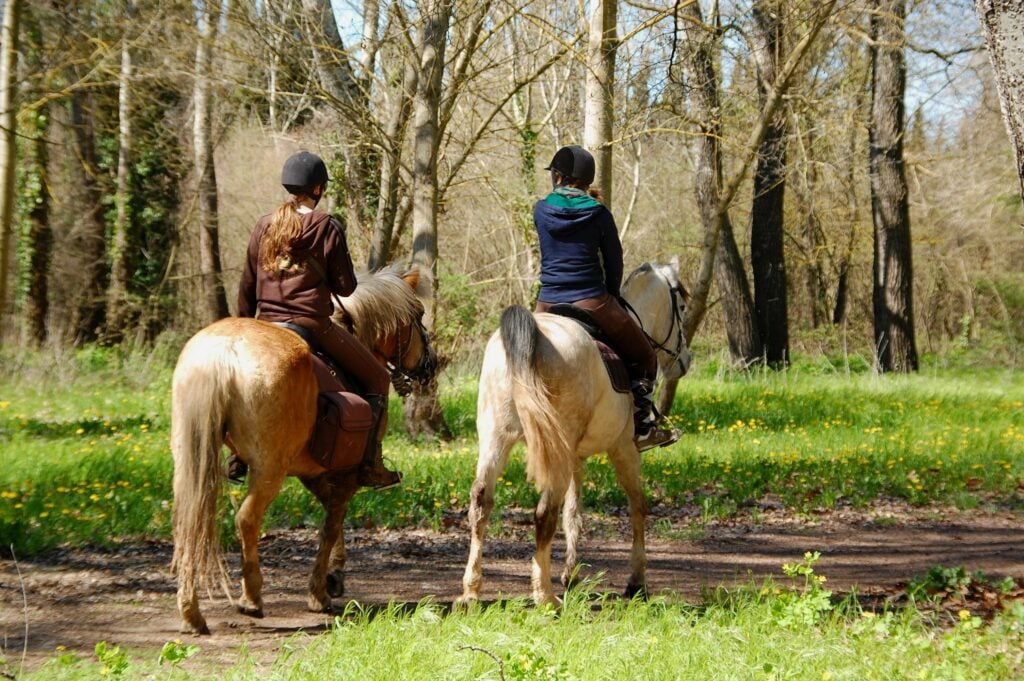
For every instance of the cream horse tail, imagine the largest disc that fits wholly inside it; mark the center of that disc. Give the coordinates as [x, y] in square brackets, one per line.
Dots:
[201, 390]
[549, 457]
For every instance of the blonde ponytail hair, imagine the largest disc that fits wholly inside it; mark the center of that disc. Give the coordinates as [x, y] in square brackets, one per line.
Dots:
[276, 247]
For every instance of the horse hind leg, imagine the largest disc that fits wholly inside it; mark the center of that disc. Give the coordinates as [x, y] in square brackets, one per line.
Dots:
[494, 452]
[545, 519]
[626, 460]
[572, 526]
[263, 487]
[192, 620]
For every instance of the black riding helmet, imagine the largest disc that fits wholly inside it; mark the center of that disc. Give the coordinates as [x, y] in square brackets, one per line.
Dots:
[303, 171]
[575, 163]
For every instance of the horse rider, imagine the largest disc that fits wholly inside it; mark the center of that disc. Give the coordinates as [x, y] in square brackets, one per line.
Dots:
[297, 258]
[581, 264]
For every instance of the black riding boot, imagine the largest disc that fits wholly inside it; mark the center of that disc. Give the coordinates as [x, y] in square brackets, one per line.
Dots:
[372, 472]
[650, 429]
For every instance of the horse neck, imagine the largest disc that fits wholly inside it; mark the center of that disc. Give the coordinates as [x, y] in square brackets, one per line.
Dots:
[651, 299]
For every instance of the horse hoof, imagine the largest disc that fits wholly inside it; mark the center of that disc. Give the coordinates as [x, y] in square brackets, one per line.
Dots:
[251, 610]
[197, 628]
[335, 584]
[636, 591]
[315, 604]
[464, 602]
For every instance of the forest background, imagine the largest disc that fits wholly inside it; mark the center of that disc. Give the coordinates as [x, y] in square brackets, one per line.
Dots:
[746, 139]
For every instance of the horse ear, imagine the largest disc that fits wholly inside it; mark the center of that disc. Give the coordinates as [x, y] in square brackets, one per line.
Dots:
[418, 280]
[674, 263]
[412, 278]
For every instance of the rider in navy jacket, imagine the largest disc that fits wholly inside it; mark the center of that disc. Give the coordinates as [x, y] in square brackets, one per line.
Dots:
[581, 264]
[581, 256]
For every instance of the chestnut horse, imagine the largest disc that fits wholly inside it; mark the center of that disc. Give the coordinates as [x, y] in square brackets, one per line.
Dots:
[250, 385]
[543, 381]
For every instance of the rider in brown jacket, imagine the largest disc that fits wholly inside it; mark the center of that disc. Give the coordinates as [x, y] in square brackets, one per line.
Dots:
[297, 258]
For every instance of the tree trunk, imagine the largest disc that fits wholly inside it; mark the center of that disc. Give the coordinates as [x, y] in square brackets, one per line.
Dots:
[767, 257]
[391, 169]
[215, 305]
[741, 327]
[90, 240]
[600, 92]
[341, 86]
[8, 131]
[1003, 25]
[40, 237]
[729, 274]
[422, 408]
[892, 267]
[117, 290]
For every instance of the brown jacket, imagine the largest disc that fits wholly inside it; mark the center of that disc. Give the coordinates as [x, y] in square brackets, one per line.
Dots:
[307, 291]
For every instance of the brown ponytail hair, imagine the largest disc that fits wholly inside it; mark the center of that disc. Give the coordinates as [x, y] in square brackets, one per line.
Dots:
[276, 247]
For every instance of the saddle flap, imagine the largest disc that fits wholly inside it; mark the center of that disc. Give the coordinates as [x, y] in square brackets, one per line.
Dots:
[616, 368]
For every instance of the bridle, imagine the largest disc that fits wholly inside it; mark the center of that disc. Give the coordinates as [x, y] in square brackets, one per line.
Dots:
[402, 378]
[677, 296]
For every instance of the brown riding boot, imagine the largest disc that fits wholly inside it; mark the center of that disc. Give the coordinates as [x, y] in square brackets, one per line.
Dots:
[372, 472]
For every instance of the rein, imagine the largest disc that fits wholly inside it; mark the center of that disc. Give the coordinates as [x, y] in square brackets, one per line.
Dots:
[401, 379]
[675, 294]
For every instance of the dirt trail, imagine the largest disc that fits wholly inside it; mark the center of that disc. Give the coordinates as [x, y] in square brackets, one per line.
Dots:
[75, 598]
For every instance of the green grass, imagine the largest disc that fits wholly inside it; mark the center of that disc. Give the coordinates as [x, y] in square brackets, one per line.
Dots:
[88, 460]
[763, 633]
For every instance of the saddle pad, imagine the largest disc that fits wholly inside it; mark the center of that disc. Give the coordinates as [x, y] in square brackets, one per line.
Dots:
[616, 368]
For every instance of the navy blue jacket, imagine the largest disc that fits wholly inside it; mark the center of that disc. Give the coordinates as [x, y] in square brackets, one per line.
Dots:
[580, 251]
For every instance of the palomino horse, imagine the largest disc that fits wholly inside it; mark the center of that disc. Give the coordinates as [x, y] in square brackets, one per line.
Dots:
[250, 385]
[543, 381]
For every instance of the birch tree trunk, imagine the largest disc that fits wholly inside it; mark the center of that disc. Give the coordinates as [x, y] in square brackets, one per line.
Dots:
[117, 289]
[600, 92]
[767, 258]
[1003, 25]
[423, 414]
[391, 169]
[892, 293]
[8, 124]
[214, 300]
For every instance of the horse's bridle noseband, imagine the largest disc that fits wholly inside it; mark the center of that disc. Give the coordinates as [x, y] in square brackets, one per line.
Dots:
[402, 378]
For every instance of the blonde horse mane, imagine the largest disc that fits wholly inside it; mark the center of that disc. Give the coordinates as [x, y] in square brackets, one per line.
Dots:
[384, 302]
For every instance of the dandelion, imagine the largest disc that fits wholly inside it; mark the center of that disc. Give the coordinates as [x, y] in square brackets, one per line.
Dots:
[964, 615]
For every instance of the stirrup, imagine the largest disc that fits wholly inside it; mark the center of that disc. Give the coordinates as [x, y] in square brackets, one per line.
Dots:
[657, 437]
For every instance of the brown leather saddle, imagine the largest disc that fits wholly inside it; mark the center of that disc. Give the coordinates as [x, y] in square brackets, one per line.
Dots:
[612, 361]
[343, 418]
